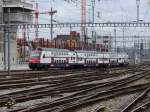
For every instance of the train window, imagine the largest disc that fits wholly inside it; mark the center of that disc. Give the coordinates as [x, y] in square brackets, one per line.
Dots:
[80, 59]
[43, 55]
[105, 59]
[35, 55]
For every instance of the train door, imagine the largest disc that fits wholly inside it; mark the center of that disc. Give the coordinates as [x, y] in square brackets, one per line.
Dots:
[46, 58]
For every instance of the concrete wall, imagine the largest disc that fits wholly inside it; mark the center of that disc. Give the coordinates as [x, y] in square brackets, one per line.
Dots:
[1, 35]
[23, 15]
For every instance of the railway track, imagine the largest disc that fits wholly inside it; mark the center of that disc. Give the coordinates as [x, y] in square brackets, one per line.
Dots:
[59, 84]
[42, 78]
[93, 92]
[140, 104]
[73, 83]
[65, 106]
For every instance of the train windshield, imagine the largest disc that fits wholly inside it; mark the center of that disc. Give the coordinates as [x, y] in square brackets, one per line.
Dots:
[35, 55]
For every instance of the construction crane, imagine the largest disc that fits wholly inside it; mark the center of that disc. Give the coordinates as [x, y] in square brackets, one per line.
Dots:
[51, 13]
[36, 13]
[83, 18]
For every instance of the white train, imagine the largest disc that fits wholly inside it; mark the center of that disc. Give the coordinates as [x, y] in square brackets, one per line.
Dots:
[63, 58]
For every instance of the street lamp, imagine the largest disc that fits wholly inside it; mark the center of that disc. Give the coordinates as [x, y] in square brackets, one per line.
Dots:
[138, 5]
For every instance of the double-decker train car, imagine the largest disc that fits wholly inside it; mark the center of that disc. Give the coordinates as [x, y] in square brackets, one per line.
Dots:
[87, 58]
[43, 58]
[48, 57]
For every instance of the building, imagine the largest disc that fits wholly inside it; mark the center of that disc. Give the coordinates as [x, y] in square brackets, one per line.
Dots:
[13, 11]
[105, 43]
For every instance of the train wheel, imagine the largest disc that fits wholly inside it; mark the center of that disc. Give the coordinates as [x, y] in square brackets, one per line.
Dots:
[45, 67]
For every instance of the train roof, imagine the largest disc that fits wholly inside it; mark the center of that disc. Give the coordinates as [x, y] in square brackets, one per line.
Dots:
[83, 51]
[53, 49]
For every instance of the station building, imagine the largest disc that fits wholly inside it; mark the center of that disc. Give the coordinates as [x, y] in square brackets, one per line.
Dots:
[20, 12]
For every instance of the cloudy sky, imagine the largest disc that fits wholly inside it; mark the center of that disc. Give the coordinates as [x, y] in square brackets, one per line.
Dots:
[105, 11]
[109, 10]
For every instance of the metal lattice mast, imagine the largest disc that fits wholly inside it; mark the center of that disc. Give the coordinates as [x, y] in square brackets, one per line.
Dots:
[83, 11]
[83, 20]
[36, 20]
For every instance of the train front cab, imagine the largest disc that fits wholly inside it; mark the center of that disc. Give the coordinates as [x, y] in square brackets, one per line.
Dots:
[34, 60]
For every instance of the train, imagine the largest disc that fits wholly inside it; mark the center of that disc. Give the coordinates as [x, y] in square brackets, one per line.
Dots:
[44, 58]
